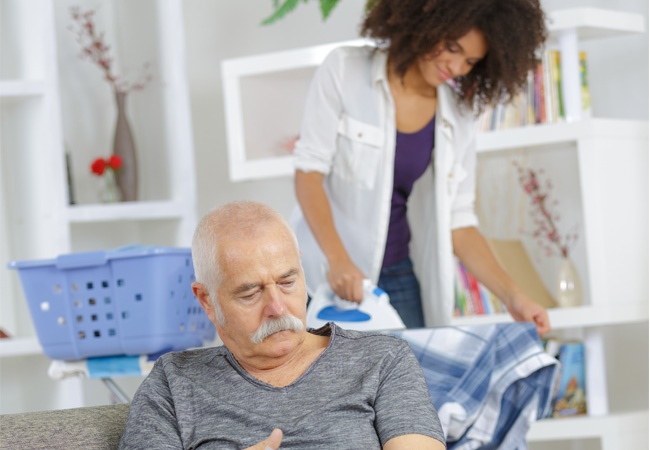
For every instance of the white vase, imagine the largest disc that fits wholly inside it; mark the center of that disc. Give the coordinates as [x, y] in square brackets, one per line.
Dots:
[568, 287]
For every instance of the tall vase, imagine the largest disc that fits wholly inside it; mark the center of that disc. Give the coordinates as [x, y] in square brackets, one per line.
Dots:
[569, 288]
[124, 147]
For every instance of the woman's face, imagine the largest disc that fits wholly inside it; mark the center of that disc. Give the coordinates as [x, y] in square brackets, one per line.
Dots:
[454, 58]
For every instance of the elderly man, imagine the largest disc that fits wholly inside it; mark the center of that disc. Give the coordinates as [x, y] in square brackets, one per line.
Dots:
[273, 382]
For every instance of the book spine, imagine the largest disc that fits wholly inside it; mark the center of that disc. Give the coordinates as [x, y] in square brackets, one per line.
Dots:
[540, 93]
[584, 85]
[548, 91]
[468, 298]
[558, 83]
[485, 299]
[461, 295]
[472, 287]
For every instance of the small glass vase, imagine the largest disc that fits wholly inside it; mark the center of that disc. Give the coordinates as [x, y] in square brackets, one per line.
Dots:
[569, 288]
[109, 191]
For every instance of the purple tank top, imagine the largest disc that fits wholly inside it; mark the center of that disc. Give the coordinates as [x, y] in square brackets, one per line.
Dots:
[412, 157]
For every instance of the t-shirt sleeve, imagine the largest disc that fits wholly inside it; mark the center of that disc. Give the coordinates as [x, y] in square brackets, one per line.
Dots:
[403, 404]
[152, 418]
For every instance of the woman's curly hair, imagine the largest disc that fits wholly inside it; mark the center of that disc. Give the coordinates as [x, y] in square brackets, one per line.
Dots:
[513, 30]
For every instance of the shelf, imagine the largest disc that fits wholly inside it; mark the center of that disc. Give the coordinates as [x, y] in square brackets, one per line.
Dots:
[552, 134]
[20, 346]
[586, 427]
[126, 211]
[582, 316]
[253, 86]
[594, 23]
[17, 88]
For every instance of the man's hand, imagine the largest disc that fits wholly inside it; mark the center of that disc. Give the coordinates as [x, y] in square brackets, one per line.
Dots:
[270, 443]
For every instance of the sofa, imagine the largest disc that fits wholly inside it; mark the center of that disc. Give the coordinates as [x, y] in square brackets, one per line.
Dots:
[88, 428]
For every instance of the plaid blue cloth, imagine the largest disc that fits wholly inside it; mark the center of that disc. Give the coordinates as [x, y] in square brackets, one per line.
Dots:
[488, 382]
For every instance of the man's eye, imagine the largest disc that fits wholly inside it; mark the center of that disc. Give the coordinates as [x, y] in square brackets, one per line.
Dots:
[249, 297]
[288, 283]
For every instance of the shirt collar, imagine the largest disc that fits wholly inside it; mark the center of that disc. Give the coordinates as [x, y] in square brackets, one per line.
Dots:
[379, 68]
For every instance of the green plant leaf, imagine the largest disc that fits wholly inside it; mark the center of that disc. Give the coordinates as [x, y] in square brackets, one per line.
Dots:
[281, 10]
[326, 7]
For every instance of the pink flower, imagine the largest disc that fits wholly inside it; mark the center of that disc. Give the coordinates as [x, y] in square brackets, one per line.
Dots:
[94, 49]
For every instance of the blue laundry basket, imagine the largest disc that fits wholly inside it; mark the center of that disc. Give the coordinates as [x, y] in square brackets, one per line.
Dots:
[129, 301]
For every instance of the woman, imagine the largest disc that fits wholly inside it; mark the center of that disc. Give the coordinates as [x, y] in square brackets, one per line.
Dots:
[396, 123]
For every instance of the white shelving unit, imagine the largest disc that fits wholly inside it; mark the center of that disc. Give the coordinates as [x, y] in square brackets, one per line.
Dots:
[252, 88]
[41, 78]
[601, 162]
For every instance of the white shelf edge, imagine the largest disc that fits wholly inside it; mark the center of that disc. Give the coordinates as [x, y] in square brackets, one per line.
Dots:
[256, 169]
[581, 316]
[280, 61]
[583, 427]
[550, 134]
[594, 23]
[21, 88]
[20, 346]
[126, 211]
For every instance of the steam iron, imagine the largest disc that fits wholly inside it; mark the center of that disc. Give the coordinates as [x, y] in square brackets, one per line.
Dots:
[374, 313]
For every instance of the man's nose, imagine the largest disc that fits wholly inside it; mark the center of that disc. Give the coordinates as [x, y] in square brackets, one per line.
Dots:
[275, 305]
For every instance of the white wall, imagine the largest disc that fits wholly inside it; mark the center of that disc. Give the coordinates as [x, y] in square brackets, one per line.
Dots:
[218, 30]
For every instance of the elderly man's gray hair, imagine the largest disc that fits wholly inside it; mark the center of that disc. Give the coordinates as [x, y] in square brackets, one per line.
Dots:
[242, 219]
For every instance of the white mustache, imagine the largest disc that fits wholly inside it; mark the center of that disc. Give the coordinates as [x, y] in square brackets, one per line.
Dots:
[272, 326]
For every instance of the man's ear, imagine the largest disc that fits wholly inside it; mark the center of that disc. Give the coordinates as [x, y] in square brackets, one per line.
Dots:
[203, 296]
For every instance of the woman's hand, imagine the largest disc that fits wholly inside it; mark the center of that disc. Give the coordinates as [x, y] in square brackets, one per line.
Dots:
[523, 309]
[270, 443]
[344, 276]
[473, 251]
[346, 280]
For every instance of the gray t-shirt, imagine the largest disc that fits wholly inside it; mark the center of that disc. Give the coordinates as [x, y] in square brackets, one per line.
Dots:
[363, 390]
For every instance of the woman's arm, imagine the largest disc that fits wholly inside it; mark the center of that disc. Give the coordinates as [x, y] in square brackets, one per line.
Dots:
[343, 275]
[473, 251]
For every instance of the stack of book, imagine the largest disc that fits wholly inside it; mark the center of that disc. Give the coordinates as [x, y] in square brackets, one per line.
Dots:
[471, 297]
[540, 101]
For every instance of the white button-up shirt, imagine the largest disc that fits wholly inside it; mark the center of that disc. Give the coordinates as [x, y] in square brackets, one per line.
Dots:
[348, 133]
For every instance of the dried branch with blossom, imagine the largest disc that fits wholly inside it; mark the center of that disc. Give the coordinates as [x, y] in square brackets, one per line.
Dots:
[95, 49]
[543, 215]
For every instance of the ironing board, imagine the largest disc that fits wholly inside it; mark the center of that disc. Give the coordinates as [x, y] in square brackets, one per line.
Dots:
[105, 368]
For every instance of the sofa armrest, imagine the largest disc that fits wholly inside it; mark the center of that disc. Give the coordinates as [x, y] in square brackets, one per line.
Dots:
[88, 428]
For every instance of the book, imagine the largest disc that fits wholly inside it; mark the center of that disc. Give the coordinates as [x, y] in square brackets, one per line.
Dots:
[571, 396]
[471, 296]
[541, 99]
[584, 86]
